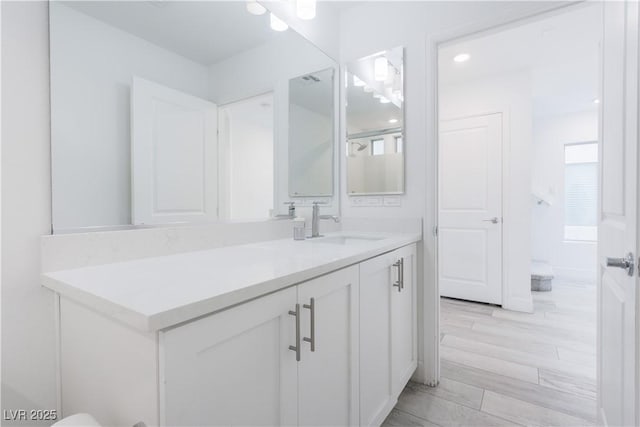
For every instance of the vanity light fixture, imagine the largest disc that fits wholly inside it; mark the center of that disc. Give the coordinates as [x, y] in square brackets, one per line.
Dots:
[381, 69]
[461, 57]
[255, 8]
[357, 82]
[278, 24]
[306, 9]
[384, 100]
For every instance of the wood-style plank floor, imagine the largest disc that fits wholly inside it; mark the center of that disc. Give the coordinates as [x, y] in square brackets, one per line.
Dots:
[504, 368]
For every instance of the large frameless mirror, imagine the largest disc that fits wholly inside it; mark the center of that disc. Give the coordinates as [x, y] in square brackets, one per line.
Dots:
[170, 112]
[375, 124]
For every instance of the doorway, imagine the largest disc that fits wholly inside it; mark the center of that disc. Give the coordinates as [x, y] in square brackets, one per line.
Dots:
[530, 355]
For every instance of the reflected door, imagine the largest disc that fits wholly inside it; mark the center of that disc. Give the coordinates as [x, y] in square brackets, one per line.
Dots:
[470, 208]
[173, 155]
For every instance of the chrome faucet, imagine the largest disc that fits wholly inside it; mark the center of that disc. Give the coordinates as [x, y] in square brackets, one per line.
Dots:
[292, 211]
[315, 219]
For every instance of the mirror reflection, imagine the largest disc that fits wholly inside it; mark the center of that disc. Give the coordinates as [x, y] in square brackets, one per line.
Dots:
[311, 132]
[170, 111]
[375, 120]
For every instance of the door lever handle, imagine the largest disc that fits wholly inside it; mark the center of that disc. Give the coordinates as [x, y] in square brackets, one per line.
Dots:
[625, 263]
[493, 220]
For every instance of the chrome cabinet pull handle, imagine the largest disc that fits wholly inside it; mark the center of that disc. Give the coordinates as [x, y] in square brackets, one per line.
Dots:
[312, 311]
[398, 282]
[296, 347]
[401, 271]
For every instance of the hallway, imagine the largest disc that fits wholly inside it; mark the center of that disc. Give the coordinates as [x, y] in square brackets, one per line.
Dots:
[500, 367]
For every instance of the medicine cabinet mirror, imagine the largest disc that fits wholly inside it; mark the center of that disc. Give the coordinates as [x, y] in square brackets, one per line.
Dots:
[179, 112]
[375, 124]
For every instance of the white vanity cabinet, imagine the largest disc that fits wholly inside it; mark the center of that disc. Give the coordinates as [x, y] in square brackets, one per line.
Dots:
[334, 348]
[388, 335]
[240, 367]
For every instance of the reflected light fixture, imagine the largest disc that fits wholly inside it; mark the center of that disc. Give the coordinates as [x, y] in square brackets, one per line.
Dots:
[255, 8]
[278, 24]
[357, 82]
[393, 120]
[596, 101]
[381, 69]
[306, 9]
[384, 100]
[461, 57]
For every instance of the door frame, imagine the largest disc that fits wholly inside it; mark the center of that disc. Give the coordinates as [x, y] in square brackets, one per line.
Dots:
[505, 146]
[429, 369]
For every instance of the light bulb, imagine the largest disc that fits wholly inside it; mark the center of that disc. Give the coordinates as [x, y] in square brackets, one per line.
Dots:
[255, 8]
[278, 24]
[306, 9]
[381, 69]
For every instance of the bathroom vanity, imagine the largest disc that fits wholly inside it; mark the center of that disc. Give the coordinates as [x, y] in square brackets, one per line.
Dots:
[280, 332]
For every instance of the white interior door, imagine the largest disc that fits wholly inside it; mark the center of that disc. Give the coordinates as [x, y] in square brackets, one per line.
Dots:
[173, 155]
[617, 233]
[470, 208]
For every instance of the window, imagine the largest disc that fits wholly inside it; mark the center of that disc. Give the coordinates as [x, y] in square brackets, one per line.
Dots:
[581, 191]
[398, 144]
[377, 147]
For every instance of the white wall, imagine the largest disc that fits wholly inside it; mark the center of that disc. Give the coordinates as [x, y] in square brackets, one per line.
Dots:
[572, 260]
[92, 68]
[28, 335]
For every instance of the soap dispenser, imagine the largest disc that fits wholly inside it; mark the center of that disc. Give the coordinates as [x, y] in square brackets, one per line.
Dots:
[298, 228]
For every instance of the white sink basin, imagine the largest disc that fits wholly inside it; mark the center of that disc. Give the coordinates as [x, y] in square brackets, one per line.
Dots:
[348, 240]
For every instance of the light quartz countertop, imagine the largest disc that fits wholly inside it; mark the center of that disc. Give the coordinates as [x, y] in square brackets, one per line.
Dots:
[150, 294]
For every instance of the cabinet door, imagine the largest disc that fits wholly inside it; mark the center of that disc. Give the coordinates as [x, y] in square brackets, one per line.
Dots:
[376, 398]
[404, 320]
[233, 367]
[328, 374]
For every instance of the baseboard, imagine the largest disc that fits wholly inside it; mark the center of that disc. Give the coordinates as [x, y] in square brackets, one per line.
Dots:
[518, 304]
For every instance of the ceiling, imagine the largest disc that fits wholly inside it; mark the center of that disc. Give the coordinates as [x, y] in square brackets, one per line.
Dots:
[203, 31]
[560, 52]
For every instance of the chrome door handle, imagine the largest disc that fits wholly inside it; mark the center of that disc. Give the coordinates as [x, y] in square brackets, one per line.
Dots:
[493, 220]
[312, 311]
[296, 347]
[626, 263]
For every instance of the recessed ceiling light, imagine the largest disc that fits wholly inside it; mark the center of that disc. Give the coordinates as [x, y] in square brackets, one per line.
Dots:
[393, 120]
[306, 9]
[462, 57]
[278, 24]
[255, 8]
[596, 101]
